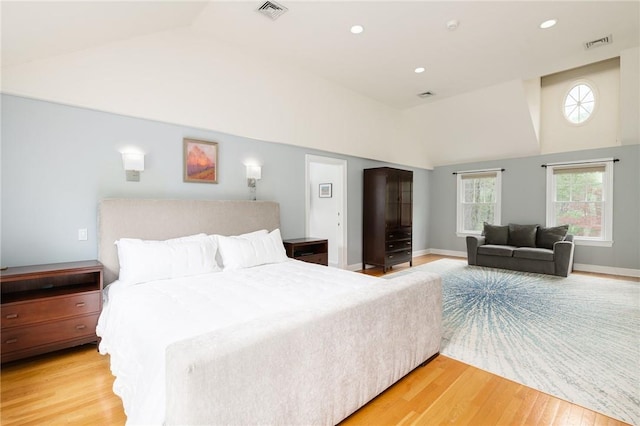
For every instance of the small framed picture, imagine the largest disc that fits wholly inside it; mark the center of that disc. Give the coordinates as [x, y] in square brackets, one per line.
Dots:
[200, 161]
[325, 190]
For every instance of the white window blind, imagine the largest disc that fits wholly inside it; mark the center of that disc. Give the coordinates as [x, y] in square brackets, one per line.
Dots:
[478, 194]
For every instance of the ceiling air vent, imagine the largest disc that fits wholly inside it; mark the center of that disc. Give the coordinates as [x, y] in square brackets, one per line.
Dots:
[426, 94]
[272, 10]
[599, 42]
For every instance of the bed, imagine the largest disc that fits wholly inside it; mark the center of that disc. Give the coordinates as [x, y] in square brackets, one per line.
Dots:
[262, 340]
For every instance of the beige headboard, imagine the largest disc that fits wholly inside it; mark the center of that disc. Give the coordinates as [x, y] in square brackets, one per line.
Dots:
[163, 219]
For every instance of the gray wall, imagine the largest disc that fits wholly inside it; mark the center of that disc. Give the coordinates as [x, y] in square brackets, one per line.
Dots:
[59, 161]
[524, 201]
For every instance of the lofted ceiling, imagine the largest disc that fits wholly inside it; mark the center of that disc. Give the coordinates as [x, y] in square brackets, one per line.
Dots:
[495, 42]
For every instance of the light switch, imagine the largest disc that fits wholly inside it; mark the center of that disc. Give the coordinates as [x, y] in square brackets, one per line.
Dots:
[82, 234]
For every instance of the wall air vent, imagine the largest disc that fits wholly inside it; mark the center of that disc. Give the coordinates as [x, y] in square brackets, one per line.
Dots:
[599, 42]
[426, 94]
[272, 10]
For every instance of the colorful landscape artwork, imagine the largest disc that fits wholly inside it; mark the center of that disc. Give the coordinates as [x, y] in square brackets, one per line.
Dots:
[200, 161]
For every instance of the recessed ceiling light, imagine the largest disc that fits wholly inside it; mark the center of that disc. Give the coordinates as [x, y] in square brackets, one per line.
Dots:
[357, 29]
[419, 70]
[548, 23]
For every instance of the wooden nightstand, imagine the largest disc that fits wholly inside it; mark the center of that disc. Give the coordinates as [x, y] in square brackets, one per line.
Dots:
[49, 307]
[312, 250]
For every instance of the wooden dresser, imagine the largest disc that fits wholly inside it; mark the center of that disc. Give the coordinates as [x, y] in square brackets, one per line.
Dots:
[49, 307]
[387, 232]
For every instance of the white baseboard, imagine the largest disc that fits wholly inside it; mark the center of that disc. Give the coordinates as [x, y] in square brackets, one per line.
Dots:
[354, 267]
[582, 267]
[610, 270]
[416, 253]
[441, 252]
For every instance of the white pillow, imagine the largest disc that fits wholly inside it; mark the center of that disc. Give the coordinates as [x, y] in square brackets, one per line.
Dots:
[146, 260]
[254, 234]
[248, 235]
[240, 253]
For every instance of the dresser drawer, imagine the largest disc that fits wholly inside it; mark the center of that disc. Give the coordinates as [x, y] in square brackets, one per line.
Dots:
[320, 258]
[397, 257]
[16, 339]
[398, 245]
[398, 234]
[53, 308]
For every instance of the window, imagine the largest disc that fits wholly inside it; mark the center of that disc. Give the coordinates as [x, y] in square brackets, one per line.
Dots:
[564, 126]
[478, 200]
[581, 195]
[579, 103]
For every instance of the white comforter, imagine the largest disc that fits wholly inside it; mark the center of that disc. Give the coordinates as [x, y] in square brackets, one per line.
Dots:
[138, 322]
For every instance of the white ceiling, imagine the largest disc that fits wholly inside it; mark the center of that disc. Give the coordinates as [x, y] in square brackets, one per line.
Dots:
[495, 41]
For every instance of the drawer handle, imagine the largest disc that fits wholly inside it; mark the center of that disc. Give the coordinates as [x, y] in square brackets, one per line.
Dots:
[80, 327]
[9, 341]
[390, 235]
[390, 245]
[391, 257]
[80, 304]
[11, 316]
[408, 243]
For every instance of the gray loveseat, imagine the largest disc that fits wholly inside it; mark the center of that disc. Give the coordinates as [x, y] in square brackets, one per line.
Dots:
[528, 248]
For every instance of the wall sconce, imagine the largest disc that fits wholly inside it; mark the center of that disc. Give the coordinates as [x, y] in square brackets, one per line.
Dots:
[133, 164]
[254, 173]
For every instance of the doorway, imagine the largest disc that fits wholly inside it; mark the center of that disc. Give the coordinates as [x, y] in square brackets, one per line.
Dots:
[326, 205]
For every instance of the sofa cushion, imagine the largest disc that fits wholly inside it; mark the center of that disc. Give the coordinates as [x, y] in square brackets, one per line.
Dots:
[495, 234]
[522, 235]
[547, 237]
[496, 250]
[533, 253]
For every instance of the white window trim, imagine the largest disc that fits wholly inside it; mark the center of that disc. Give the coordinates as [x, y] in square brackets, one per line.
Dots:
[460, 192]
[607, 238]
[596, 102]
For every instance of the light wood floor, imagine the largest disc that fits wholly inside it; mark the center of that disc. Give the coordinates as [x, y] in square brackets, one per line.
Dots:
[74, 387]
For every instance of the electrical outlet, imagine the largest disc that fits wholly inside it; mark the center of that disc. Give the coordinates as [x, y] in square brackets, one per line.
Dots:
[82, 234]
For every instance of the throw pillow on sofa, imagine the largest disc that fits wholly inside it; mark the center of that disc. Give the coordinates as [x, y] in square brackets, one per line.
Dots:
[522, 235]
[547, 237]
[495, 234]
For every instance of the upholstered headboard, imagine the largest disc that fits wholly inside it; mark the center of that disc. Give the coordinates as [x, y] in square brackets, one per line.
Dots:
[163, 219]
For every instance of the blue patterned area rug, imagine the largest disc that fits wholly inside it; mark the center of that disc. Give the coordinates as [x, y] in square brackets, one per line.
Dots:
[576, 338]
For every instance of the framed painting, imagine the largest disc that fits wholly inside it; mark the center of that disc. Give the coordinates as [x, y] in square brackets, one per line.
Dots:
[200, 161]
[325, 190]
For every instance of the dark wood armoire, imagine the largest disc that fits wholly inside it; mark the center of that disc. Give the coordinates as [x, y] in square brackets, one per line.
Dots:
[387, 217]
